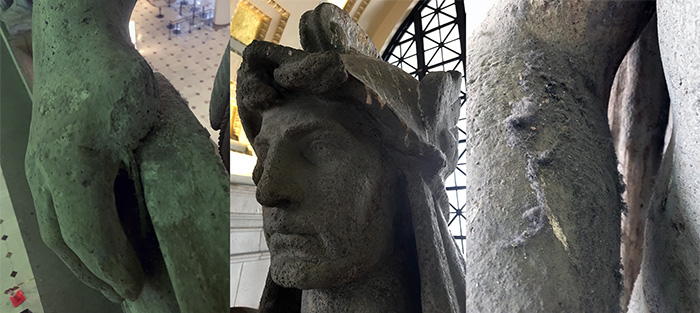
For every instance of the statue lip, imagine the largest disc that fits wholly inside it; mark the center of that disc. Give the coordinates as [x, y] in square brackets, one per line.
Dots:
[284, 228]
[300, 245]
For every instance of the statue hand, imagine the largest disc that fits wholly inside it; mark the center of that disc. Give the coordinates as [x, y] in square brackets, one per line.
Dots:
[74, 199]
[90, 112]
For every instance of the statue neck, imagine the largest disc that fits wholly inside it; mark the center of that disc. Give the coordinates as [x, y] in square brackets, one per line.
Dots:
[387, 289]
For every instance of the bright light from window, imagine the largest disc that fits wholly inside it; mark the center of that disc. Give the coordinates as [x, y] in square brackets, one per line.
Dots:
[242, 164]
[476, 13]
[132, 32]
[339, 3]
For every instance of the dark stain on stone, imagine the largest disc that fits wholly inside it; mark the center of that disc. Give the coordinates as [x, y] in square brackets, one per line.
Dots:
[549, 89]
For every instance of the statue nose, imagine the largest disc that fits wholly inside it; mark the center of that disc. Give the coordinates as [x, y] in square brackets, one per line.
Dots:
[277, 198]
[278, 185]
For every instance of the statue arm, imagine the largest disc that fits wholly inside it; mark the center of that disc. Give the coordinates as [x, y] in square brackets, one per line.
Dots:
[94, 99]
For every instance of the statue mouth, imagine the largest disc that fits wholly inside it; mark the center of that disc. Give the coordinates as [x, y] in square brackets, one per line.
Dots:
[294, 244]
[287, 225]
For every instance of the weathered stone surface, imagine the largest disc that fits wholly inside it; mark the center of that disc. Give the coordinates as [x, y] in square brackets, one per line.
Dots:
[543, 192]
[186, 193]
[669, 280]
[329, 29]
[90, 111]
[638, 115]
[352, 157]
[128, 190]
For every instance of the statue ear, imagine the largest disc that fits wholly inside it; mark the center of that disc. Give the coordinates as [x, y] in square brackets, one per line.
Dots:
[329, 28]
[438, 98]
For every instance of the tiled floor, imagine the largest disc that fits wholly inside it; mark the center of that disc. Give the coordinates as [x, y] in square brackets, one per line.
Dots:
[14, 264]
[188, 60]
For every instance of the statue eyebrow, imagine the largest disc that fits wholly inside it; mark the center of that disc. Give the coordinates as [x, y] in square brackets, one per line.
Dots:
[301, 130]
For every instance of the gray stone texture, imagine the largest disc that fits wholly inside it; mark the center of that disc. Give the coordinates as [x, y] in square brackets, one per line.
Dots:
[128, 190]
[670, 276]
[352, 154]
[543, 192]
[638, 116]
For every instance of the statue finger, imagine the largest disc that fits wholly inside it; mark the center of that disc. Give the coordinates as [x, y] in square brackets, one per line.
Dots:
[51, 235]
[86, 212]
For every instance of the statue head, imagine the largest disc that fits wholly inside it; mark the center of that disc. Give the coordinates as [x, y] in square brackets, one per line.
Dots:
[324, 187]
[352, 155]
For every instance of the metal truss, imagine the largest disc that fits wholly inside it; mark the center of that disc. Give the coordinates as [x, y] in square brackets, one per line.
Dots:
[433, 38]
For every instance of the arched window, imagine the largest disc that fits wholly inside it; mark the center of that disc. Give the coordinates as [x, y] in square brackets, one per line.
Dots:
[433, 38]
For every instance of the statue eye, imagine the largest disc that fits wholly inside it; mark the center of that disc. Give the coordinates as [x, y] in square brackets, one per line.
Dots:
[318, 150]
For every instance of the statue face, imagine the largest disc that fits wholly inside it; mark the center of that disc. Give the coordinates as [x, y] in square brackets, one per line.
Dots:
[327, 217]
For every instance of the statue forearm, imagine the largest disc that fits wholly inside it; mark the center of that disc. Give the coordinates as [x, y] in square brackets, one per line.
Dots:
[86, 67]
[95, 98]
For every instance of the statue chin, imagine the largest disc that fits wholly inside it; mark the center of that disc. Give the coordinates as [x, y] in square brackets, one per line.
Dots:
[292, 272]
